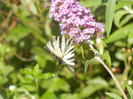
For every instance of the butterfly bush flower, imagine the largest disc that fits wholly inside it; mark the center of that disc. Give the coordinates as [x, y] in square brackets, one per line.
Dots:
[75, 20]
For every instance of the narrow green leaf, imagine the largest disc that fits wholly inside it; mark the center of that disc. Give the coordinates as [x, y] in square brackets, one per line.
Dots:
[101, 48]
[114, 96]
[82, 50]
[120, 33]
[36, 70]
[106, 56]
[118, 15]
[47, 75]
[109, 15]
[93, 60]
[126, 19]
[89, 3]
[130, 91]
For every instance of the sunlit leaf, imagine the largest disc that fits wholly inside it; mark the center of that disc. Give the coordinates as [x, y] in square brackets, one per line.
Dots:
[30, 5]
[122, 3]
[47, 75]
[18, 33]
[94, 85]
[101, 48]
[114, 96]
[59, 84]
[26, 71]
[110, 15]
[89, 3]
[126, 19]
[70, 96]
[82, 50]
[120, 33]
[130, 36]
[106, 56]
[48, 95]
[36, 70]
[118, 15]
[91, 61]
[130, 91]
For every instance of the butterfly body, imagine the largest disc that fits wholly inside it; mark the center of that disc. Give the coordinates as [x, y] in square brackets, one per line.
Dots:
[62, 48]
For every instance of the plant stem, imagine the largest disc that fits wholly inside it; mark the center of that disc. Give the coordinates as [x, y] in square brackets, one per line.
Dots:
[37, 87]
[106, 67]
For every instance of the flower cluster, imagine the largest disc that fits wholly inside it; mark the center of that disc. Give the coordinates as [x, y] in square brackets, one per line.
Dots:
[74, 19]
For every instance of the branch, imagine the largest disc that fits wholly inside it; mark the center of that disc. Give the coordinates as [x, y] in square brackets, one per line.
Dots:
[106, 67]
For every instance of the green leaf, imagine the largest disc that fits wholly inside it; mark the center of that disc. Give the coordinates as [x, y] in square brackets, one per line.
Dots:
[69, 96]
[7, 70]
[130, 39]
[47, 26]
[59, 84]
[82, 50]
[91, 61]
[41, 56]
[120, 33]
[130, 36]
[121, 4]
[3, 80]
[29, 87]
[114, 96]
[18, 33]
[130, 91]
[89, 3]
[106, 56]
[26, 71]
[101, 48]
[94, 85]
[26, 79]
[48, 95]
[45, 76]
[109, 15]
[31, 6]
[118, 15]
[36, 70]
[126, 19]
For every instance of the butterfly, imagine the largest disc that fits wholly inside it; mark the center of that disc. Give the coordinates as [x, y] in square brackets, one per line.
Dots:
[62, 49]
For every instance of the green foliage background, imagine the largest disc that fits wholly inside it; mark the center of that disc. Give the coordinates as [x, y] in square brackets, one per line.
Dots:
[25, 28]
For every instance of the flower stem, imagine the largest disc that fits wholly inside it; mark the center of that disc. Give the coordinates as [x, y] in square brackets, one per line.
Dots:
[107, 68]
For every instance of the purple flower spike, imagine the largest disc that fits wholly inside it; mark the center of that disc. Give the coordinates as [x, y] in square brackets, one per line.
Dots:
[75, 20]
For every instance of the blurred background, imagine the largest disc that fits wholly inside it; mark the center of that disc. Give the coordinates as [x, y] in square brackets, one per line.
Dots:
[25, 28]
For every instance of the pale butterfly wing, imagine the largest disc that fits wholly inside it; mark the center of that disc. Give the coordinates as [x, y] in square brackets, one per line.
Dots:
[69, 55]
[63, 48]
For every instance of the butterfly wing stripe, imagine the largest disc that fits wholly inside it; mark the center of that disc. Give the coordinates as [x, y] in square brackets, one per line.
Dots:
[58, 52]
[69, 49]
[60, 43]
[70, 58]
[69, 42]
[49, 46]
[63, 44]
[68, 62]
[70, 68]
[52, 44]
